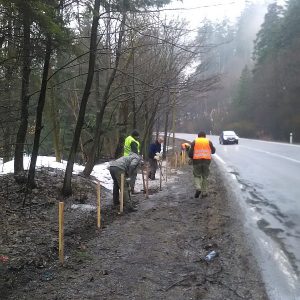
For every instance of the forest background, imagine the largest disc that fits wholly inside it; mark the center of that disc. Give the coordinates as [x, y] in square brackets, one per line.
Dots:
[78, 76]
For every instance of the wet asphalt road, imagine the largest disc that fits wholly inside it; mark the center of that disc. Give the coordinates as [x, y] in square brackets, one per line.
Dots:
[265, 178]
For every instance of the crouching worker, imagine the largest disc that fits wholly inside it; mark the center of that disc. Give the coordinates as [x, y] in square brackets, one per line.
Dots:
[200, 152]
[126, 165]
[185, 147]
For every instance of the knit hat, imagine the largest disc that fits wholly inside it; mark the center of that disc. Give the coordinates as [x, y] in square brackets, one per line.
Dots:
[135, 133]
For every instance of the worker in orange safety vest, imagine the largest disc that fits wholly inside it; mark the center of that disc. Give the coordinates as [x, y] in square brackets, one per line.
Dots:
[200, 153]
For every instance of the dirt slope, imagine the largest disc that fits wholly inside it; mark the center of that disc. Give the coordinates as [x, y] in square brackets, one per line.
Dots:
[157, 252]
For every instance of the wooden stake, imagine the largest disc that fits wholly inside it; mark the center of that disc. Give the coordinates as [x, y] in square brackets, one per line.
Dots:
[176, 160]
[61, 232]
[98, 206]
[143, 177]
[122, 193]
[166, 169]
[160, 174]
[147, 182]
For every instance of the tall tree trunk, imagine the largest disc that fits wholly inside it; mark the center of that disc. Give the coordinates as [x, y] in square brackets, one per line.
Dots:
[157, 127]
[53, 117]
[99, 118]
[67, 188]
[21, 134]
[8, 91]
[166, 125]
[146, 126]
[166, 134]
[149, 124]
[39, 116]
[74, 105]
[134, 123]
[173, 122]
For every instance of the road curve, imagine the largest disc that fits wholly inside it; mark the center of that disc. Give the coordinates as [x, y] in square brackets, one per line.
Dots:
[265, 177]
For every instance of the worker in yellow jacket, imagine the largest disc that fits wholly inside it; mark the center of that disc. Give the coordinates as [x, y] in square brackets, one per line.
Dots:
[132, 145]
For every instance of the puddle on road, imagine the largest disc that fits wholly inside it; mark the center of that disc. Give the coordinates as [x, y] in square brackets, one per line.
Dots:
[286, 257]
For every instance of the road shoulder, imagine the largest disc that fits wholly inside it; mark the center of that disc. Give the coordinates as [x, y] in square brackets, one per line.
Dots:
[158, 252]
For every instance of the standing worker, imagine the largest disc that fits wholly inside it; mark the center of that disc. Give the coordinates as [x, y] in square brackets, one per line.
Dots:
[126, 165]
[201, 150]
[154, 156]
[132, 145]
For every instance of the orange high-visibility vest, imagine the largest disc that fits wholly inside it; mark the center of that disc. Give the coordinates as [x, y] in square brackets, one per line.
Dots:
[202, 149]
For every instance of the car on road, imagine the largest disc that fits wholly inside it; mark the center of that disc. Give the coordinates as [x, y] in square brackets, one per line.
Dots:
[228, 137]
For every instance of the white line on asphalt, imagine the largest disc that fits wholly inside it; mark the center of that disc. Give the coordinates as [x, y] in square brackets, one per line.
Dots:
[270, 142]
[270, 153]
[219, 158]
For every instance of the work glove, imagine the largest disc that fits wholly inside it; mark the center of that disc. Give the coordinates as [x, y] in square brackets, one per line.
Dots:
[158, 156]
[127, 181]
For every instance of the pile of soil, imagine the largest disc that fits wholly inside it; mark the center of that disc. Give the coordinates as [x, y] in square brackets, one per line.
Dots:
[157, 252]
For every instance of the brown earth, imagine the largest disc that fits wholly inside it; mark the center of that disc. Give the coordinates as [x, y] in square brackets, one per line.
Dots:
[155, 253]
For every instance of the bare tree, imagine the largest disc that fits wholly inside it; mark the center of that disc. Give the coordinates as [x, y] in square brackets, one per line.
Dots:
[39, 114]
[67, 188]
[21, 135]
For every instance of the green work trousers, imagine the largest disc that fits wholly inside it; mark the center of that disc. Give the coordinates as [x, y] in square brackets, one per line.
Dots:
[201, 172]
[115, 173]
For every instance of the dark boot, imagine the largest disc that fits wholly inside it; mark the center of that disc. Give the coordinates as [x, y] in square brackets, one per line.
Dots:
[197, 194]
[131, 209]
[204, 194]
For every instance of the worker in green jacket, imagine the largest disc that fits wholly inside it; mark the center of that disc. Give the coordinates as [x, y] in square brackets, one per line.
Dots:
[132, 145]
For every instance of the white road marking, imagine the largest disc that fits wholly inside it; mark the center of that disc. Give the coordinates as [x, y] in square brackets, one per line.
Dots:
[270, 142]
[219, 158]
[272, 154]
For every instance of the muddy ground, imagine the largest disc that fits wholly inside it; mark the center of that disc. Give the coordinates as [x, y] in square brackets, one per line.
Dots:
[155, 253]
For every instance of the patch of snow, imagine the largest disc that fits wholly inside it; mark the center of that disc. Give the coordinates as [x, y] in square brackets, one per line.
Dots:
[100, 171]
[84, 207]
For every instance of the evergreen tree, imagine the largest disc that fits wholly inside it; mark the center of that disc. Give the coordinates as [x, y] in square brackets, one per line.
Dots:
[290, 29]
[268, 38]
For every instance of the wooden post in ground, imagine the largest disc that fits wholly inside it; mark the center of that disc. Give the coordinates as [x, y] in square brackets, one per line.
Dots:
[166, 169]
[143, 177]
[61, 232]
[98, 206]
[147, 182]
[160, 174]
[176, 160]
[122, 193]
